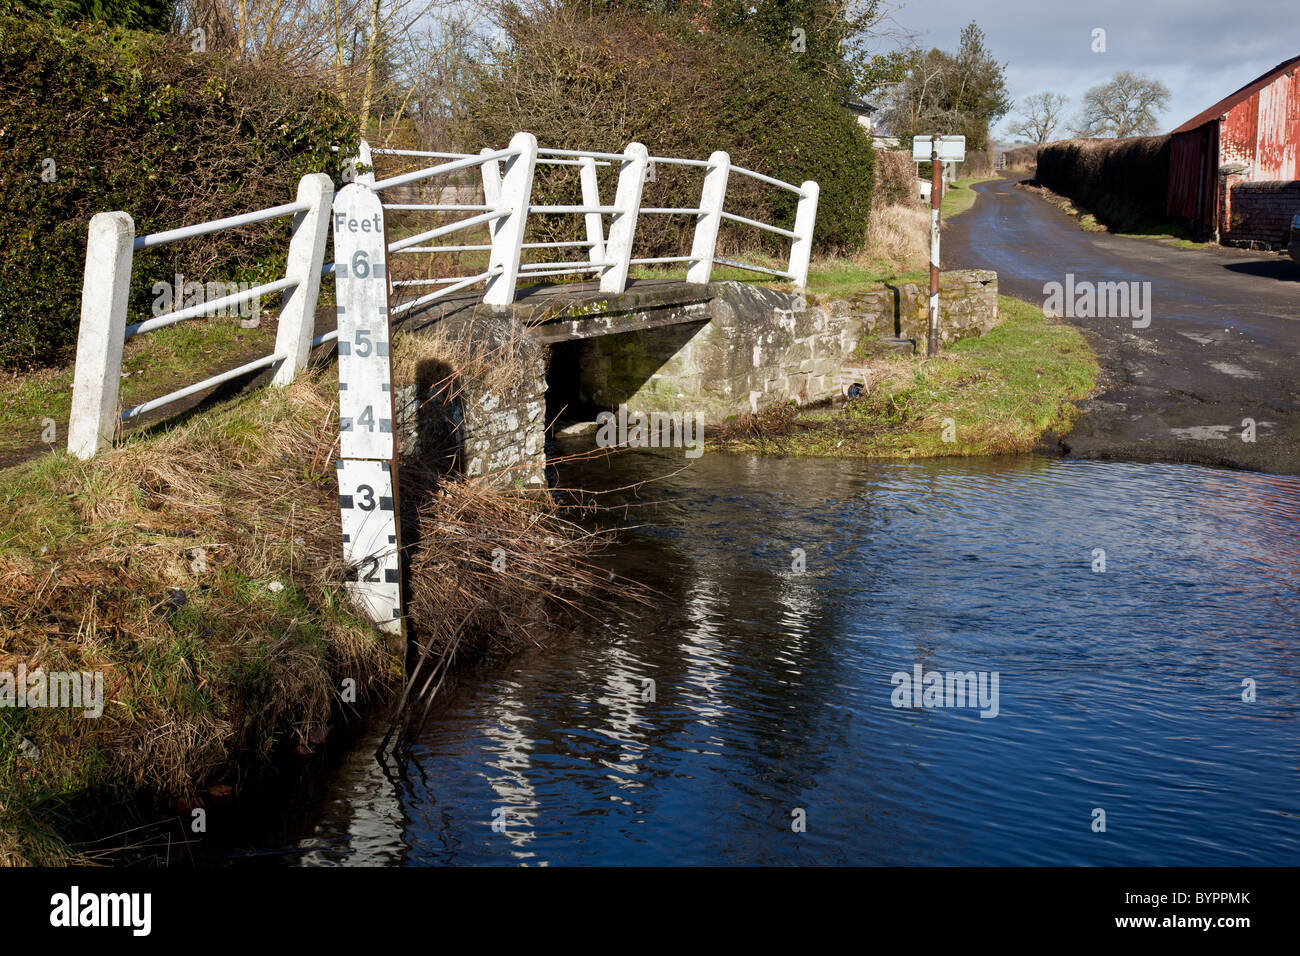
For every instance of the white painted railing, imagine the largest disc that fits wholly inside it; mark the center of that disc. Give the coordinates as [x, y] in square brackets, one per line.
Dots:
[507, 206]
[106, 286]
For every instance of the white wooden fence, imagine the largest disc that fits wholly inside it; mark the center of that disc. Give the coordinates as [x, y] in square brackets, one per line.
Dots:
[507, 178]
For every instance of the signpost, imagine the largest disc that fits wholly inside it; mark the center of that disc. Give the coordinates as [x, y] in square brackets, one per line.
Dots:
[367, 474]
[936, 150]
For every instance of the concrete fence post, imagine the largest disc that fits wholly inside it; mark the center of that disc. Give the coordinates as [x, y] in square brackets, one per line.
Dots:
[306, 256]
[365, 158]
[591, 197]
[491, 171]
[508, 232]
[618, 248]
[104, 293]
[712, 198]
[805, 218]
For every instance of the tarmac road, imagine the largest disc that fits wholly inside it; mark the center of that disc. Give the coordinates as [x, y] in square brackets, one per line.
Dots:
[1222, 346]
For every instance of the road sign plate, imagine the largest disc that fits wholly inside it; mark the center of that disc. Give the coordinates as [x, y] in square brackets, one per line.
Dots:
[952, 149]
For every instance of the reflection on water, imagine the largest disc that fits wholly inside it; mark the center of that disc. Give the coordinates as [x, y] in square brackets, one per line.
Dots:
[694, 733]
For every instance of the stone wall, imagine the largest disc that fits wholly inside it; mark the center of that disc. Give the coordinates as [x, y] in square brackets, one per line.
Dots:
[756, 347]
[750, 348]
[1259, 213]
[760, 346]
[474, 426]
[968, 305]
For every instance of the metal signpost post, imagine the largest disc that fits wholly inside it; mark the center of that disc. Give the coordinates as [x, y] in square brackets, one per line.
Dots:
[937, 150]
[367, 474]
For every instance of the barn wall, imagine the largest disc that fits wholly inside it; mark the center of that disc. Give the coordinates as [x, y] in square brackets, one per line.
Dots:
[1263, 132]
[1193, 177]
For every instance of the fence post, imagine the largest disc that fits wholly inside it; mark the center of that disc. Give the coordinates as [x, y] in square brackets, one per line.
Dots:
[306, 256]
[508, 232]
[591, 197]
[491, 178]
[712, 198]
[365, 158]
[622, 230]
[805, 218]
[98, 372]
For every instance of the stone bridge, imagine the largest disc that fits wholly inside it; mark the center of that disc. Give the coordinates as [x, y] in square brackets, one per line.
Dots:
[715, 350]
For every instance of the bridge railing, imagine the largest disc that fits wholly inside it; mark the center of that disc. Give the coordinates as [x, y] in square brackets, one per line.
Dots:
[607, 253]
[110, 258]
[507, 183]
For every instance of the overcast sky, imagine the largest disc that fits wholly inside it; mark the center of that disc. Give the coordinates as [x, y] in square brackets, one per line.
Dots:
[1201, 49]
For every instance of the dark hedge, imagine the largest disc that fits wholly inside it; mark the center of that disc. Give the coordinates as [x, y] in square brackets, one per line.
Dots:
[137, 122]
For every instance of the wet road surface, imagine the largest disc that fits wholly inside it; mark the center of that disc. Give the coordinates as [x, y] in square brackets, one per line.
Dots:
[1222, 345]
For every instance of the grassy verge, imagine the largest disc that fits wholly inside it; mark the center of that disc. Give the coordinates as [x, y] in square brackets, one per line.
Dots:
[197, 568]
[152, 365]
[1168, 233]
[960, 196]
[996, 394]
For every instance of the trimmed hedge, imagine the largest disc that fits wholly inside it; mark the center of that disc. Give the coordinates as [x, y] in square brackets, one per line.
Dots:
[1123, 182]
[600, 82]
[99, 119]
[137, 14]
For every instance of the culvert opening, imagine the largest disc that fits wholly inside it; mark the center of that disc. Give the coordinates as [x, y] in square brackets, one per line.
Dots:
[566, 405]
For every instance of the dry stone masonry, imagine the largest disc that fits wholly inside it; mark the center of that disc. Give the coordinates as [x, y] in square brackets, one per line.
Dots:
[715, 351]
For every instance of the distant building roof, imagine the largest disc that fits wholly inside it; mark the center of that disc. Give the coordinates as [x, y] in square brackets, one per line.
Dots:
[860, 106]
[1243, 94]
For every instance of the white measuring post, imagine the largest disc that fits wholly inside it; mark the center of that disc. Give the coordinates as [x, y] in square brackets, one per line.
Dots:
[712, 197]
[104, 292]
[367, 474]
[306, 256]
[805, 218]
[508, 232]
[618, 248]
[591, 197]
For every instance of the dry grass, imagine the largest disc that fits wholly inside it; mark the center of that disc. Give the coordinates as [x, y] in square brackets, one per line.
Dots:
[199, 568]
[899, 235]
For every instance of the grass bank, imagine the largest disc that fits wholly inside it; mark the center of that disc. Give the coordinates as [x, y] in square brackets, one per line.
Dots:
[999, 393]
[197, 569]
[960, 196]
[1170, 234]
[34, 405]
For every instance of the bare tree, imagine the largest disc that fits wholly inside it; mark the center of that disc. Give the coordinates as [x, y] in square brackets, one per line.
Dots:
[379, 56]
[1040, 116]
[1126, 106]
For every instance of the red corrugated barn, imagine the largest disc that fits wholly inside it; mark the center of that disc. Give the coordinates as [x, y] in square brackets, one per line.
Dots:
[1233, 169]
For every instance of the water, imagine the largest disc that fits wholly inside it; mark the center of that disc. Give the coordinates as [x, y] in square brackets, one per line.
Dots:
[772, 688]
